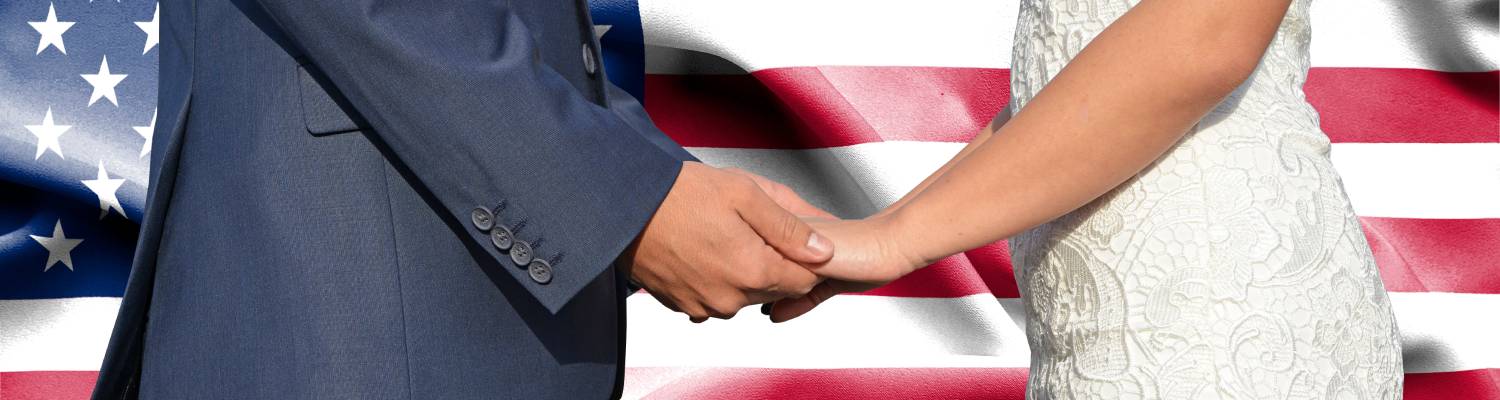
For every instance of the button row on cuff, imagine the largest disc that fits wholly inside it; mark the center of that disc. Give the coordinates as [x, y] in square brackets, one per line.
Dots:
[504, 239]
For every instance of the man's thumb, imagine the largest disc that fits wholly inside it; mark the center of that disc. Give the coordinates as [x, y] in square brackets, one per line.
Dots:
[788, 234]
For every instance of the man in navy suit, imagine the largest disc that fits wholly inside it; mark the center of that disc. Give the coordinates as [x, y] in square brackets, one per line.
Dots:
[400, 199]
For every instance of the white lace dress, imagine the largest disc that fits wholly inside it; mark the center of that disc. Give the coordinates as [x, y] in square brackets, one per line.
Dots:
[1231, 268]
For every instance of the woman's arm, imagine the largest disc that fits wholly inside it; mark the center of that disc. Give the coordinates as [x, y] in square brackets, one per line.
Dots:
[1123, 101]
[979, 139]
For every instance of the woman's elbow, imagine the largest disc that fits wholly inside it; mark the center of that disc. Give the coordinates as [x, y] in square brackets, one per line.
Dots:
[1216, 77]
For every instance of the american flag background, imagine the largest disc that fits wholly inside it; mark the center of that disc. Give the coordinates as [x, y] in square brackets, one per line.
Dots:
[849, 102]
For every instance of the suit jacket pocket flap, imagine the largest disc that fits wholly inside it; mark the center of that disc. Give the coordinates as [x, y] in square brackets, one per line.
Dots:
[323, 114]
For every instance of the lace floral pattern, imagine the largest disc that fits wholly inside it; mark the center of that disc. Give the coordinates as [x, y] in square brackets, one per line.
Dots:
[1233, 267]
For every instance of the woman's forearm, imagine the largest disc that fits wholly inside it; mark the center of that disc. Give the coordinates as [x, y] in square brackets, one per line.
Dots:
[1124, 100]
[979, 139]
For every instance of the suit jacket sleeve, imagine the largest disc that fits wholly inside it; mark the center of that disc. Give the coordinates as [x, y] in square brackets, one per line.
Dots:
[631, 111]
[479, 119]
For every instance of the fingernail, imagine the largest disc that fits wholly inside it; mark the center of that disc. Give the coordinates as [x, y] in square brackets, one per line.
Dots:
[765, 309]
[819, 244]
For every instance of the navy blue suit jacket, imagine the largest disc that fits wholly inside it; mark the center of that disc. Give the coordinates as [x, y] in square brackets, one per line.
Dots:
[311, 232]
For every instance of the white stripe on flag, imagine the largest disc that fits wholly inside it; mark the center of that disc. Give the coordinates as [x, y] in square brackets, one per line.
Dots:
[1399, 180]
[847, 332]
[1442, 35]
[849, 181]
[1441, 332]
[67, 334]
[756, 34]
[1421, 180]
[762, 34]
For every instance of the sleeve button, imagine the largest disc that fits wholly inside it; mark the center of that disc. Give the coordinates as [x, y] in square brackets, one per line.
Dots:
[501, 238]
[482, 218]
[520, 252]
[540, 271]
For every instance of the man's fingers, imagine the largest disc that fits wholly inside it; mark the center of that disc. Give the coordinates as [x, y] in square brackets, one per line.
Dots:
[695, 312]
[776, 278]
[793, 238]
[785, 310]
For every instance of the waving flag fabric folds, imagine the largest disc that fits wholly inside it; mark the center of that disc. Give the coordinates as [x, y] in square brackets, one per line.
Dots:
[849, 102]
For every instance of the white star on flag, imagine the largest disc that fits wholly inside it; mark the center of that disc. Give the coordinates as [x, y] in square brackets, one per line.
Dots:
[152, 29]
[104, 83]
[600, 30]
[105, 189]
[145, 132]
[47, 134]
[51, 30]
[59, 247]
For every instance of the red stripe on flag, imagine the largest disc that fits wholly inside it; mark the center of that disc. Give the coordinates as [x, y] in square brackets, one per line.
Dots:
[1384, 105]
[767, 383]
[873, 383]
[813, 107]
[47, 385]
[816, 107]
[992, 264]
[943, 383]
[1474, 384]
[1436, 255]
[1414, 255]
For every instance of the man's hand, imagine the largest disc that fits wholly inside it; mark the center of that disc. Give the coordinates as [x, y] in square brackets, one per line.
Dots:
[718, 243]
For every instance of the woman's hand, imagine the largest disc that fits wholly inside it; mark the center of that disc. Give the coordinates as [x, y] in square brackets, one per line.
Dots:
[868, 256]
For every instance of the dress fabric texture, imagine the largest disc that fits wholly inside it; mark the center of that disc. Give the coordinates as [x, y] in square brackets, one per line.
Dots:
[1233, 267]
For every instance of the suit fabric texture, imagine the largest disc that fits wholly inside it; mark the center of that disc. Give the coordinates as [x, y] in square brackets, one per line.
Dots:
[316, 223]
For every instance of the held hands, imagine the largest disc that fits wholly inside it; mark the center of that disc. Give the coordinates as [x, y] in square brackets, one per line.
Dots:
[720, 242]
[870, 255]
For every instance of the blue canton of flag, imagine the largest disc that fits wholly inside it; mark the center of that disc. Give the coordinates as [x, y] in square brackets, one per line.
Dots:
[618, 25]
[77, 113]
